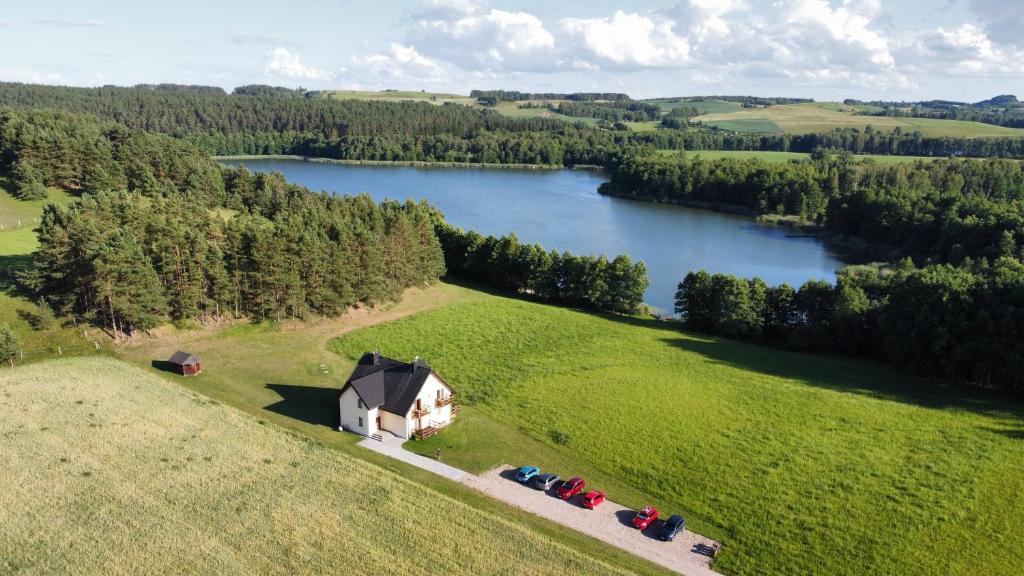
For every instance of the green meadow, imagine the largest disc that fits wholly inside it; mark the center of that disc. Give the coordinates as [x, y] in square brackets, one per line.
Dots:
[771, 156]
[802, 464]
[108, 469]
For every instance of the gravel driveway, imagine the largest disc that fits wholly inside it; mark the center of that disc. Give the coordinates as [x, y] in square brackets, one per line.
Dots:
[610, 522]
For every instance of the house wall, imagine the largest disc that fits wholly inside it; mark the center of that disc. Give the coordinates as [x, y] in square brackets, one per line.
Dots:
[350, 413]
[394, 424]
[428, 395]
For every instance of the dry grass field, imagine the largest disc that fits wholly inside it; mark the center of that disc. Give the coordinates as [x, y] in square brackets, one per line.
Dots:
[108, 469]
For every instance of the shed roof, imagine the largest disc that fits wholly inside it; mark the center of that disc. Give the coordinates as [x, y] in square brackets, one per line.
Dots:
[387, 383]
[184, 359]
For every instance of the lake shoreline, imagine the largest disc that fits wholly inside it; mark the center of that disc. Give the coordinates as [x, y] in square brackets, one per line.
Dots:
[412, 163]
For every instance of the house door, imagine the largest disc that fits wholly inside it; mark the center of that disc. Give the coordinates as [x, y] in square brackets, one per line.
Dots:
[378, 422]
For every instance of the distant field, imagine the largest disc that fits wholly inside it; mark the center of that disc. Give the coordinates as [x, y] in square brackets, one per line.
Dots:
[825, 117]
[703, 106]
[771, 156]
[804, 464]
[513, 110]
[110, 470]
[434, 97]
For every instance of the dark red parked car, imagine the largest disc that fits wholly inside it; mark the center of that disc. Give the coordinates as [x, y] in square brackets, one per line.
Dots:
[570, 488]
[592, 499]
[644, 517]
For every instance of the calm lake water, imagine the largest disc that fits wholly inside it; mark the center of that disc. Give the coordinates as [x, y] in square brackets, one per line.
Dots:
[561, 209]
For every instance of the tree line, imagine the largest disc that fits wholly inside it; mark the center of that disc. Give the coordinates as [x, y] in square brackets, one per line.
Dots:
[942, 210]
[957, 323]
[515, 95]
[593, 282]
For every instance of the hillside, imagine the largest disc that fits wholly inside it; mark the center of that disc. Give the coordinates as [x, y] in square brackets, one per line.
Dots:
[801, 463]
[108, 469]
[825, 117]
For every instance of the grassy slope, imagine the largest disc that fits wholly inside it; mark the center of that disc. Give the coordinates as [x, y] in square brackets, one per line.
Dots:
[284, 374]
[823, 117]
[16, 245]
[111, 470]
[805, 464]
[771, 156]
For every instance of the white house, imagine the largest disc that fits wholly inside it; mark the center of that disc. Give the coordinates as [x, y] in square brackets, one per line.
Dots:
[386, 395]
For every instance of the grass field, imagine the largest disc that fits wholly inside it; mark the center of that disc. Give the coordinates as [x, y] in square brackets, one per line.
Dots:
[398, 95]
[771, 156]
[825, 117]
[16, 245]
[804, 464]
[513, 110]
[284, 374]
[110, 470]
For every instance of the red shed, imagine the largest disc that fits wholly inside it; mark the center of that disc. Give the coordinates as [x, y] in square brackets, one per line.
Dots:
[187, 364]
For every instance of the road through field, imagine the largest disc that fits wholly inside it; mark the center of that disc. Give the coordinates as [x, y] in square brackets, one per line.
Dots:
[610, 522]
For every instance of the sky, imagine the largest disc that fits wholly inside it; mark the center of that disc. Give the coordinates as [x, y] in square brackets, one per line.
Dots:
[965, 50]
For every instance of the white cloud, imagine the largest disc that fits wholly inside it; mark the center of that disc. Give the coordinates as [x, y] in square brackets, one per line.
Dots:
[626, 40]
[1002, 20]
[966, 50]
[31, 75]
[841, 34]
[67, 23]
[283, 64]
[399, 63]
[475, 38]
[249, 38]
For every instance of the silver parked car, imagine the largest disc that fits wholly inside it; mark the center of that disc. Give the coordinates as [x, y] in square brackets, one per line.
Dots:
[545, 481]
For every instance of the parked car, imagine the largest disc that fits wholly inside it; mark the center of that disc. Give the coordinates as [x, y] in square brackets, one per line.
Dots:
[672, 527]
[570, 487]
[545, 481]
[526, 473]
[592, 499]
[644, 517]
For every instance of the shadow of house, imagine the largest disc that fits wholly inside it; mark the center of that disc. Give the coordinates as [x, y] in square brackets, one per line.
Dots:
[309, 404]
[165, 366]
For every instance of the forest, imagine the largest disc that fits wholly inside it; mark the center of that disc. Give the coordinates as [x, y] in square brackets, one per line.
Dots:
[955, 323]
[593, 282]
[940, 210]
[262, 120]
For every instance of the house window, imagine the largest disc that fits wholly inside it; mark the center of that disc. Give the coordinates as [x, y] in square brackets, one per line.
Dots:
[360, 421]
[360, 403]
[440, 394]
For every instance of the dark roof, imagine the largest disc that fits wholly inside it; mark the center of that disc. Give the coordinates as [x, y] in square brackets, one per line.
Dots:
[184, 359]
[390, 384]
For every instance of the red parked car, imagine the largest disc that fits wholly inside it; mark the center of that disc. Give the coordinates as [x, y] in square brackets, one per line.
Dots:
[592, 499]
[570, 488]
[644, 517]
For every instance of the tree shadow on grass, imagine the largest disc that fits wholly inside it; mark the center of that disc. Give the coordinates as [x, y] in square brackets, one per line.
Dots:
[10, 266]
[310, 404]
[853, 375]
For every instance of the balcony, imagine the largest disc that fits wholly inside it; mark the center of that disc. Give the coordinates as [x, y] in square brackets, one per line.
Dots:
[442, 402]
[422, 433]
[419, 413]
[455, 409]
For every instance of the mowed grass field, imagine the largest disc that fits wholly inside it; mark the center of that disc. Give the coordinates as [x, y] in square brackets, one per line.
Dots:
[398, 95]
[771, 156]
[803, 464]
[110, 470]
[825, 117]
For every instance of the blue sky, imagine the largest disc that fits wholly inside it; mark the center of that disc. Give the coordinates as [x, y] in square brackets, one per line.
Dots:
[825, 49]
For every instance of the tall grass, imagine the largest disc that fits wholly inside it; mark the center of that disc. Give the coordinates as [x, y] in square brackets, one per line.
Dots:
[110, 470]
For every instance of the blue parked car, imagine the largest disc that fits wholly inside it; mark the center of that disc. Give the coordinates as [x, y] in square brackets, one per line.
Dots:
[672, 527]
[526, 473]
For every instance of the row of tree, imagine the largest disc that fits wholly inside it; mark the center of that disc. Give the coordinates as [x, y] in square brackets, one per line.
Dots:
[962, 324]
[940, 210]
[615, 286]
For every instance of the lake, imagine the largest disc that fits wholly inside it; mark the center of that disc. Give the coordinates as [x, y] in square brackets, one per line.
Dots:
[561, 209]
